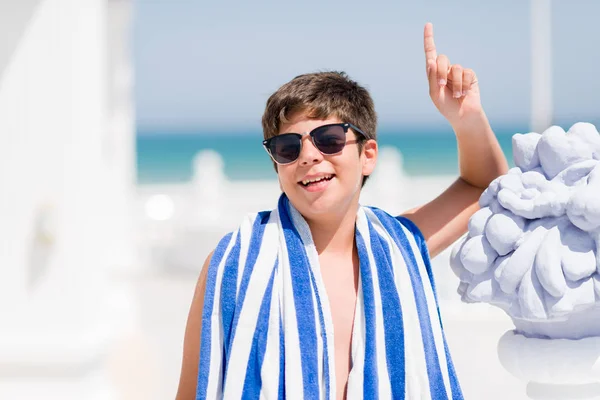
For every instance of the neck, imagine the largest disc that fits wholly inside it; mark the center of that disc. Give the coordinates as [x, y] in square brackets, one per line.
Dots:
[334, 234]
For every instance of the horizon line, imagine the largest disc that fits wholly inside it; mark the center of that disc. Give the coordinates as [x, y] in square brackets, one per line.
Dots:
[521, 127]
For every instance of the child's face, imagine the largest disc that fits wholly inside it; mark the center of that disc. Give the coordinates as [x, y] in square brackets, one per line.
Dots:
[343, 172]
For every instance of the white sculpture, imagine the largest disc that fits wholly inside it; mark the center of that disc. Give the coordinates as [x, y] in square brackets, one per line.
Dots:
[532, 247]
[533, 250]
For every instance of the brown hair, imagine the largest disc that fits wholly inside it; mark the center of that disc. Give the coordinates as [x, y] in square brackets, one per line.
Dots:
[321, 95]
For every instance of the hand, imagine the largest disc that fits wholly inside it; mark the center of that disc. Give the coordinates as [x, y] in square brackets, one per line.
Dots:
[453, 89]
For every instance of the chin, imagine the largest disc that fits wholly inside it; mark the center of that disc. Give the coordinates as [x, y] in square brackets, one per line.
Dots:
[325, 205]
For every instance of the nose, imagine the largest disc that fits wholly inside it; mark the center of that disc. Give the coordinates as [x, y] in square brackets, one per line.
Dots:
[309, 153]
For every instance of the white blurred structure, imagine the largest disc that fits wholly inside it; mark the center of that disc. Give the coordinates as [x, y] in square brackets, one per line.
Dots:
[66, 168]
[541, 65]
[181, 223]
[119, 137]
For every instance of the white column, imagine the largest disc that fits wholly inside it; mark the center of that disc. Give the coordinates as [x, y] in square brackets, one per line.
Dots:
[55, 320]
[118, 145]
[541, 65]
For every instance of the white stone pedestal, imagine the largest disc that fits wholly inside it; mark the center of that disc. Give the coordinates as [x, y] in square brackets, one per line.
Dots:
[554, 368]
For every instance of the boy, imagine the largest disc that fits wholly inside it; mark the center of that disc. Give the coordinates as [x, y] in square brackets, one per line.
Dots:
[329, 321]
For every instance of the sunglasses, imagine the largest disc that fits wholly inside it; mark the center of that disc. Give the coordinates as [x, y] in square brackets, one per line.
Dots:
[328, 139]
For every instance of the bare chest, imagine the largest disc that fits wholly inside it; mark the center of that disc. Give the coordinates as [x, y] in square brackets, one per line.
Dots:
[341, 283]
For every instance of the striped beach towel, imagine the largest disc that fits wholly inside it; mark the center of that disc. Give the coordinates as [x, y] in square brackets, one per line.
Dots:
[267, 329]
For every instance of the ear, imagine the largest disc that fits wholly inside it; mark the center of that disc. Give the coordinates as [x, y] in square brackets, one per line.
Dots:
[369, 157]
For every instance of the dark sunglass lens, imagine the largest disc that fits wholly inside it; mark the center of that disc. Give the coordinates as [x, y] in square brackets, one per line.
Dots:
[330, 139]
[285, 148]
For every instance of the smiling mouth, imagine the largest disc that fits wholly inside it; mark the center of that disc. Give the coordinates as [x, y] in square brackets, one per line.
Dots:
[310, 182]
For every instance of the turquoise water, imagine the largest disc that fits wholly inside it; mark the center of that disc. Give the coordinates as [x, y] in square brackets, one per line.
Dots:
[167, 157]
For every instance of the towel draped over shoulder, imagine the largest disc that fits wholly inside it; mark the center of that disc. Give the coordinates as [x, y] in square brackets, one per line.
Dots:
[267, 329]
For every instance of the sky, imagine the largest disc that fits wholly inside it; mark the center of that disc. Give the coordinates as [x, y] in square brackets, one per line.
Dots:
[203, 66]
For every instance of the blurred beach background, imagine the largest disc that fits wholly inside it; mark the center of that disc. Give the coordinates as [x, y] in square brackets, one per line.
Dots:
[130, 142]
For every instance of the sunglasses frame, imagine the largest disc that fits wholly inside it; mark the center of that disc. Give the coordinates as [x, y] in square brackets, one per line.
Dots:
[344, 125]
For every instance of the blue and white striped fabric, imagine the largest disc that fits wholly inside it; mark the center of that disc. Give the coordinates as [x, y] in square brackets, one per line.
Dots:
[267, 329]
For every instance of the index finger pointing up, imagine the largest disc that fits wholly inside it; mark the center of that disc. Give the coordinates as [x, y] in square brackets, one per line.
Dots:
[430, 52]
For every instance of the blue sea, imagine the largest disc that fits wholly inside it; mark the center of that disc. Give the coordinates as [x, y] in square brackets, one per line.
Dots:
[166, 157]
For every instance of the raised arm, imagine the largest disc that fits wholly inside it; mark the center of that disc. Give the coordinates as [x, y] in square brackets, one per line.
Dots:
[191, 343]
[455, 92]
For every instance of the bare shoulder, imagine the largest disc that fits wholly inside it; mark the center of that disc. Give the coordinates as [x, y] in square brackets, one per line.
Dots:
[191, 343]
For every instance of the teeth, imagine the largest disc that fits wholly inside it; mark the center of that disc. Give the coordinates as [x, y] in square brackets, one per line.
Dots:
[306, 182]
